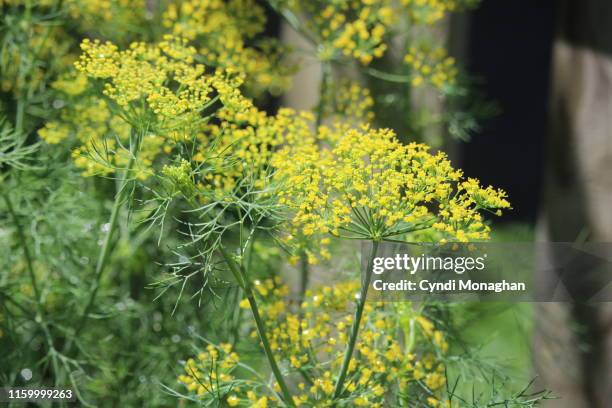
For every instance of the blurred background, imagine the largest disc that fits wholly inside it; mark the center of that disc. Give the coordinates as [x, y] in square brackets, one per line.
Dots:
[547, 67]
[509, 49]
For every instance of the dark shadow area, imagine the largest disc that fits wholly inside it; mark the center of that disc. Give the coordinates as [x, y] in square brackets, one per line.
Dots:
[586, 23]
[509, 51]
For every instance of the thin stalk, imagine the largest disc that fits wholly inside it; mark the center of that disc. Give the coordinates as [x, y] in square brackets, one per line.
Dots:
[20, 103]
[236, 319]
[268, 350]
[242, 279]
[365, 284]
[24, 246]
[19, 116]
[389, 77]
[233, 266]
[304, 275]
[112, 226]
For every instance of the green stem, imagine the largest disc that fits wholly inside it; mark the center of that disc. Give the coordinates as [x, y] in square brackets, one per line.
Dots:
[236, 319]
[304, 275]
[234, 268]
[389, 77]
[365, 284]
[268, 350]
[112, 226]
[240, 276]
[24, 246]
[19, 116]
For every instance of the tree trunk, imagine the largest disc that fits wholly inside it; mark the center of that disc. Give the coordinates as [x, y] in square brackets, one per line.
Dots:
[573, 343]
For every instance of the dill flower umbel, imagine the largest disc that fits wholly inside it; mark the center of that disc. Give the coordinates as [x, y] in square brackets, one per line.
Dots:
[349, 29]
[144, 74]
[348, 101]
[162, 91]
[310, 344]
[433, 66]
[107, 16]
[430, 11]
[361, 30]
[211, 374]
[368, 185]
[157, 89]
[225, 33]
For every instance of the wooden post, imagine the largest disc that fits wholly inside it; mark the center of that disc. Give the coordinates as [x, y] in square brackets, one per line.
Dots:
[573, 344]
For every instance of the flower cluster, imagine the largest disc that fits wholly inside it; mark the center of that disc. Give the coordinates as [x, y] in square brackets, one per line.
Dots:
[250, 139]
[431, 65]
[211, 375]
[430, 11]
[157, 89]
[241, 143]
[90, 122]
[162, 76]
[347, 28]
[225, 34]
[40, 45]
[351, 182]
[368, 185]
[108, 16]
[361, 29]
[347, 101]
[310, 342]
[162, 90]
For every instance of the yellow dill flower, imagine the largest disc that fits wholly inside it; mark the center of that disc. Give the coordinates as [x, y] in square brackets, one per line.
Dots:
[431, 11]
[144, 73]
[224, 33]
[54, 132]
[433, 66]
[71, 84]
[160, 90]
[108, 17]
[359, 29]
[433, 402]
[180, 176]
[368, 185]
[347, 101]
[232, 401]
[349, 29]
[302, 341]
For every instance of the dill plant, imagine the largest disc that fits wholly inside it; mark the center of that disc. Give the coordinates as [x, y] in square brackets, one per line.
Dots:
[368, 185]
[160, 101]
